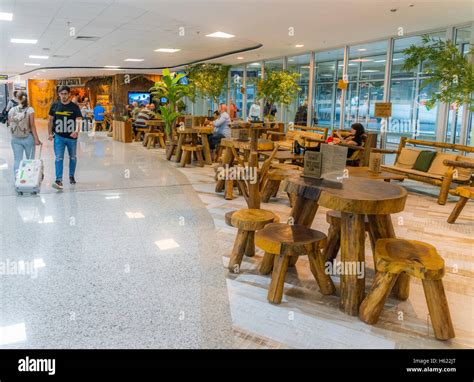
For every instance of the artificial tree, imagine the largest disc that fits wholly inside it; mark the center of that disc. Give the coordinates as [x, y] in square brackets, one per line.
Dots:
[278, 87]
[169, 87]
[447, 66]
[207, 80]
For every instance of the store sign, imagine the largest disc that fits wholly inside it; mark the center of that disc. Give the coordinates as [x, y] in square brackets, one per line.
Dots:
[341, 84]
[69, 82]
[383, 109]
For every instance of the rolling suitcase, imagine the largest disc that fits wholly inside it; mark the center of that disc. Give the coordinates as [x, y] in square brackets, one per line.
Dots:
[30, 175]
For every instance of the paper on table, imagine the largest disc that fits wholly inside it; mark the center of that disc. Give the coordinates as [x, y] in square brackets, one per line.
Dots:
[333, 162]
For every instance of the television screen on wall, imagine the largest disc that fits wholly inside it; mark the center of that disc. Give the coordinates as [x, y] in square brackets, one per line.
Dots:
[143, 98]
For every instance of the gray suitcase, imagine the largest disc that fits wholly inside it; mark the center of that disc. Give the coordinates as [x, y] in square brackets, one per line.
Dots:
[30, 175]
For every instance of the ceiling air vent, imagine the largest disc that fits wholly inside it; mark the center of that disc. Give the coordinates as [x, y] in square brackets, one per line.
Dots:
[59, 56]
[87, 38]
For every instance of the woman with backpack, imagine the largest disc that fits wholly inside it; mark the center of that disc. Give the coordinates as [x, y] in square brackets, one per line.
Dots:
[21, 120]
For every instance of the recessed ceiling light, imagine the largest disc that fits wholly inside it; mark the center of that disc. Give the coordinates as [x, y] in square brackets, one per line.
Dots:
[167, 50]
[361, 50]
[240, 58]
[4, 16]
[134, 59]
[38, 57]
[299, 45]
[369, 71]
[111, 66]
[291, 60]
[255, 64]
[31, 64]
[23, 41]
[220, 35]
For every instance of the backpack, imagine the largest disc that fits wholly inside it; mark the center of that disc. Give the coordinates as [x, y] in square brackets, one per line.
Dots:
[19, 126]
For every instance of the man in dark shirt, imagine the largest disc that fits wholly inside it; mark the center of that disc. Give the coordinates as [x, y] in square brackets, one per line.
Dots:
[64, 126]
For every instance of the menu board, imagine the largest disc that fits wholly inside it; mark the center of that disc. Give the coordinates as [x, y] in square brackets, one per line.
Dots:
[312, 164]
[329, 163]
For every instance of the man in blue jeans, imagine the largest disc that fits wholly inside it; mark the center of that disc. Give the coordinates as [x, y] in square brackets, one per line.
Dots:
[64, 126]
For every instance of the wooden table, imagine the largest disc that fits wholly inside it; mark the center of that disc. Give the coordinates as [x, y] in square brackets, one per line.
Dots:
[363, 172]
[284, 155]
[355, 197]
[193, 133]
[231, 145]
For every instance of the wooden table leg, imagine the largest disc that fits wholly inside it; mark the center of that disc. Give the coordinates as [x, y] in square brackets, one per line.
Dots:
[206, 149]
[254, 193]
[227, 159]
[179, 150]
[352, 259]
[381, 227]
[457, 209]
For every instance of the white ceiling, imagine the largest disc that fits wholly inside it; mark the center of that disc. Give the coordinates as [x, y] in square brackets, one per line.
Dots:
[135, 28]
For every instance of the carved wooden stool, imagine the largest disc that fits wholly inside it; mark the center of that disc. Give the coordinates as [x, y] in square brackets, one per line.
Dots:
[416, 259]
[282, 241]
[247, 221]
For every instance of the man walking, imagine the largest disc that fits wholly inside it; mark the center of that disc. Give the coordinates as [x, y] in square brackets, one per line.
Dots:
[64, 126]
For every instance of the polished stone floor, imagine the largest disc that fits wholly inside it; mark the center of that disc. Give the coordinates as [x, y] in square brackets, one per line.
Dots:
[123, 259]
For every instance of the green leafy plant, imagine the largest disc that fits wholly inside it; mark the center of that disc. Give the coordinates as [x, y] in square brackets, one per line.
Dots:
[170, 88]
[181, 105]
[278, 87]
[207, 80]
[447, 66]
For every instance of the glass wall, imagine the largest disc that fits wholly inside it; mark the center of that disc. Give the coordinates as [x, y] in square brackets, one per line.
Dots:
[365, 74]
[462, 37]
[254, 73]
[300, 65]
[326, 98]
[276, 65]
[410, 116]
[236, 95]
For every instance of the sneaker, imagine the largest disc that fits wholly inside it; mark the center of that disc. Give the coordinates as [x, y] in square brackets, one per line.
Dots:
[72, 180]
[58, 185]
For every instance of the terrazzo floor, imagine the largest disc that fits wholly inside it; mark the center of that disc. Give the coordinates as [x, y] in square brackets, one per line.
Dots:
[123, 259]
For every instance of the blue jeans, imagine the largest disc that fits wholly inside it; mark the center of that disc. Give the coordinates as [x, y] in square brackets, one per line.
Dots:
[60, 144]
[20, 146]
[215, 140]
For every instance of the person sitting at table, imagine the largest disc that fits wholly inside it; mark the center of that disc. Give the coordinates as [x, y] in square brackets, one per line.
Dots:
[222, 126]
[99, 112]
[355, 138]
[144, 115]
[135, 110]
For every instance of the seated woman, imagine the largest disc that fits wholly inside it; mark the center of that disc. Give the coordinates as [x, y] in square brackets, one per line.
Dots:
[355, 138]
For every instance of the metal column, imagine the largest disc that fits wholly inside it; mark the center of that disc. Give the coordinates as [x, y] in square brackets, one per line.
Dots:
[386, 92]
[343, 91]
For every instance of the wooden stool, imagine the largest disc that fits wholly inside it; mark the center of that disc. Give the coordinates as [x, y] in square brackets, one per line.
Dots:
[465, 194]
[171, 149]
[334, 235]
[188, 150]
[247, 221]
[280, 242]
[416, 259]
[151, 138]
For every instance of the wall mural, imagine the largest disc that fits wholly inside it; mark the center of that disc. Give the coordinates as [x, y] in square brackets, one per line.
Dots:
[41, 96]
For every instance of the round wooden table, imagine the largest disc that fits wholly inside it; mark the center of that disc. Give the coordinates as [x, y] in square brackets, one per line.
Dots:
[355, 197]
[363, 172]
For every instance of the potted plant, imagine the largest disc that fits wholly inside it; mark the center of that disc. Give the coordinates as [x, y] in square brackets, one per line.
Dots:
[447, 66]
[169, 87]
[207, 80]
[278, 87]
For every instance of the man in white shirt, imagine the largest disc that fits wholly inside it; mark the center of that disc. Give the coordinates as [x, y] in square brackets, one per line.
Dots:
[222, 125]
[254, 111]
